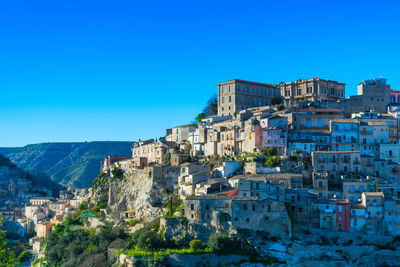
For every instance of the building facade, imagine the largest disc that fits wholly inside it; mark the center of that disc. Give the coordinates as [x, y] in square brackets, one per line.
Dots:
[236, 95]
[315, 89]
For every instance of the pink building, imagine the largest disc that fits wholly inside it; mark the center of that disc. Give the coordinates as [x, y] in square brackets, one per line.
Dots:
[395, 96]
[274, 133]
[343, 215]
[228, 141]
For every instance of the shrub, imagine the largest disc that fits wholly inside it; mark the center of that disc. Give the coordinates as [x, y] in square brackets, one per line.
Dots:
[117, 173]
[134, 238]
[195, 244]
[149, 240]
[220, 243]
[133, 222]
[271, 151]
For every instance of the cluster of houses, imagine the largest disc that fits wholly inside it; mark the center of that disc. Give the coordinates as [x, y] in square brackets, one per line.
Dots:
[42, 213]
[339, 168]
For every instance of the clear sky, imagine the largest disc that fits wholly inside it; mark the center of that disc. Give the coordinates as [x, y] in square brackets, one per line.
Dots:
[123, 70]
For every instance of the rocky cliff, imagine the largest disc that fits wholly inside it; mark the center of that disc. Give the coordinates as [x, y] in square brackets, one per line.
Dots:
[70, 164]
[136, 196]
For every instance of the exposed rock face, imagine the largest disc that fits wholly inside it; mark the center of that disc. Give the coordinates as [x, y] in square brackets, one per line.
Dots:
[132, 197]
[70, 164]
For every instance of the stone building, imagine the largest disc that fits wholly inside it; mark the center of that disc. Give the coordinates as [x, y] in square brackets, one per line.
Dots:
[344, 134]
[236, 95]
[374, 94]
[109, 161]
[271, 185]
[336, 163]
[191, 175]
[315, 89]
[152, 150]
[307, 121]
[224, 212]
[180, 134]
[372, 117]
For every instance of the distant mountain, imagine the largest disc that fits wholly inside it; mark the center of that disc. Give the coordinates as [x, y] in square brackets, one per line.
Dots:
[70, 164]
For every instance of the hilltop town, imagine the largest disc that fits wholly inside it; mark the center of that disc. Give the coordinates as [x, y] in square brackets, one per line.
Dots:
[294, 172]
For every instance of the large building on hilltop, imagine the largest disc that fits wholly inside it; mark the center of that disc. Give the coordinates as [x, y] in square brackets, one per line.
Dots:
[372, 95]
[315, 89]
[236, 95]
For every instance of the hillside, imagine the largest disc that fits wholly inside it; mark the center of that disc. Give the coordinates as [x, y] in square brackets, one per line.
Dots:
[70, 164]
[9, 171]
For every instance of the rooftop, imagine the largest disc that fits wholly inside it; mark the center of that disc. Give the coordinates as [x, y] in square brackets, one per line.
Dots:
[269, 176]
[374, 194]
[244, 81]
[320, 110]
[334, 152]
[220, 197]
[346, 120]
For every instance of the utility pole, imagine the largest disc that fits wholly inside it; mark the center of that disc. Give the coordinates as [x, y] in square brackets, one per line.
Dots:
[170, 205]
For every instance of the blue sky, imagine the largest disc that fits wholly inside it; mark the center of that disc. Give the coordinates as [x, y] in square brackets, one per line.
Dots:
[124, 70]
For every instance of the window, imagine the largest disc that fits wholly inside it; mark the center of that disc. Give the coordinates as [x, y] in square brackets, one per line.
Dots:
[254, 207]
[229, 99]
[245, 206]
[340, 208]
[191, 207]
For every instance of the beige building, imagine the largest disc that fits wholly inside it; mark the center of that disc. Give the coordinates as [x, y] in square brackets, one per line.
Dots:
[236, 95]
[153, 151]
[314, 120]
[192, 174]
[311, 90]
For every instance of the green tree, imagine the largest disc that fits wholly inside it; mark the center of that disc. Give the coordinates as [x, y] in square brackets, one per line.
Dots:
[220, 243]
[195, 244]
[167, 158]
[149, 240]
[212, 106]
[199, 117]
[271, 151]
[8, 255]
[117, 172]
